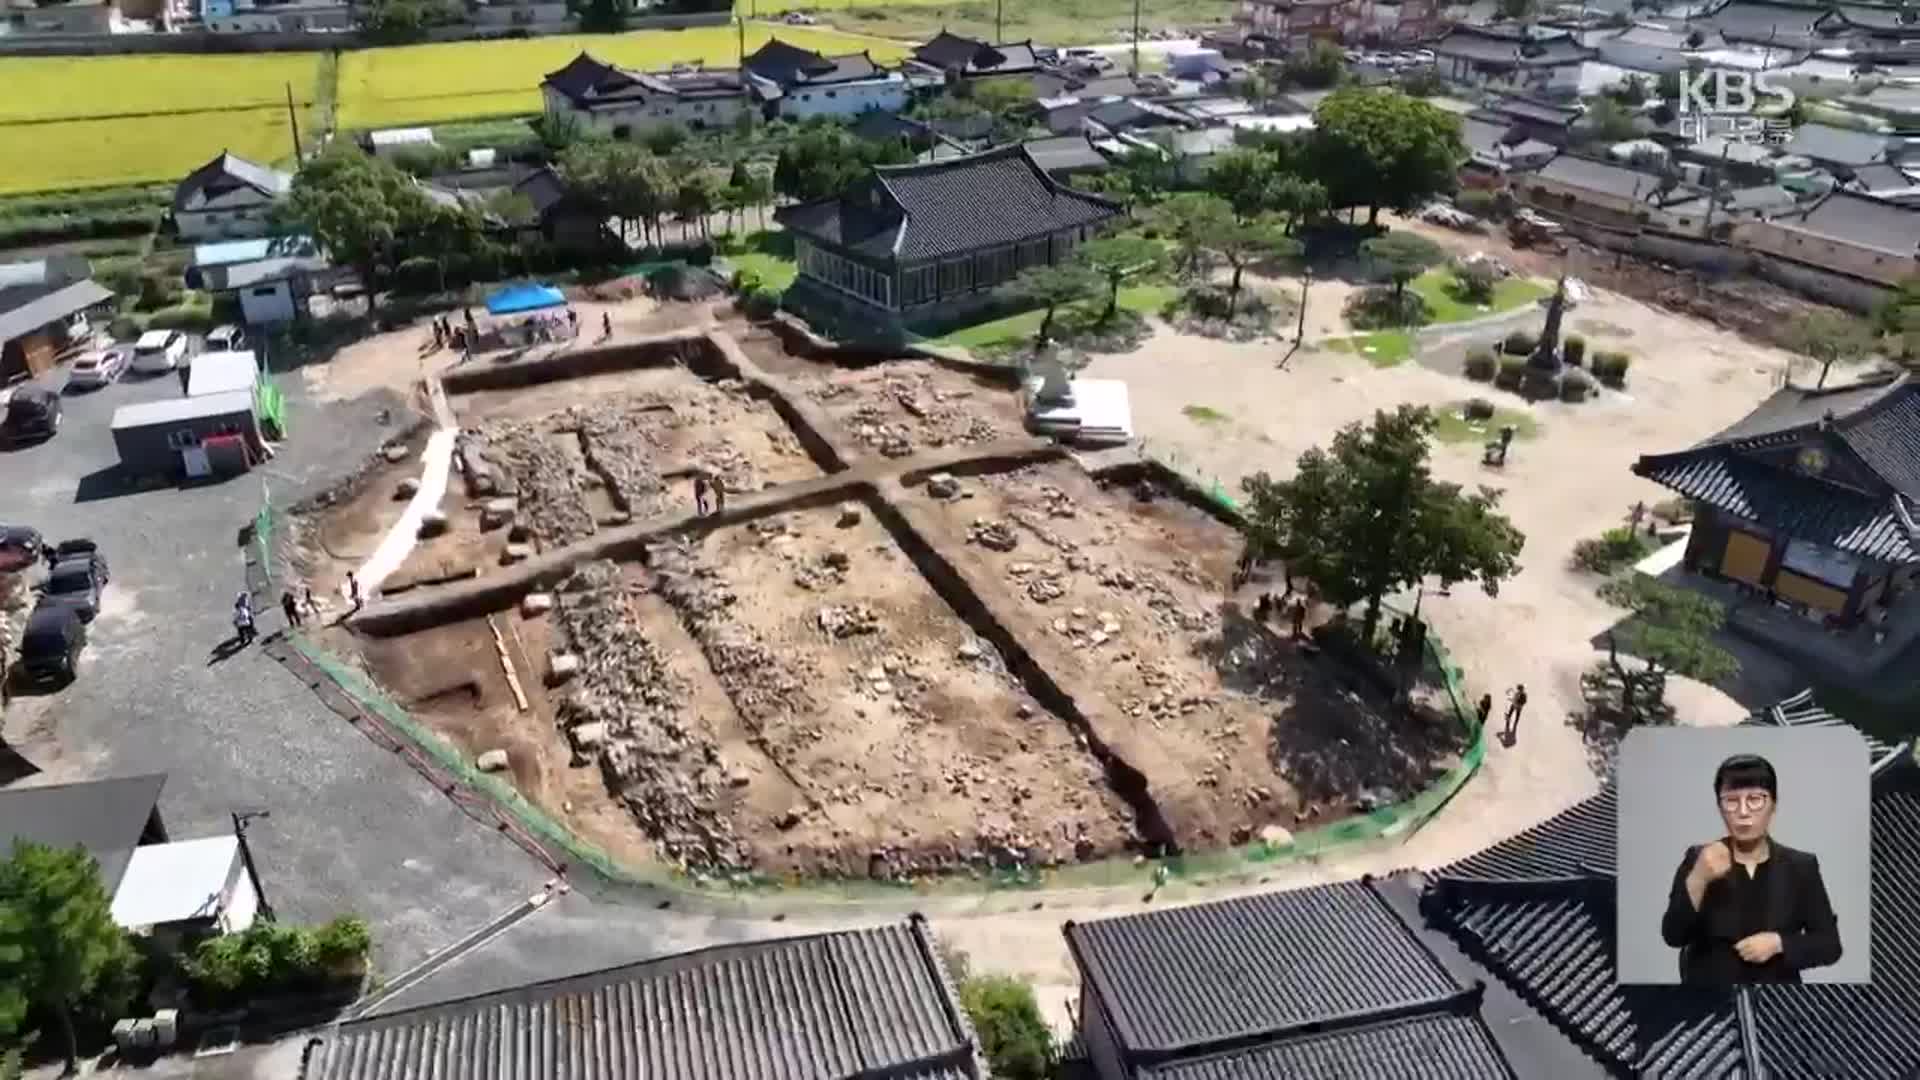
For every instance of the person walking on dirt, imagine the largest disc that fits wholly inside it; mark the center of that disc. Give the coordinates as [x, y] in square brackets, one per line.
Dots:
[1516, 703]
[700, 494]
[243, 620]
[353, 592]
[1299, 617]
[186, 378]
[606, 324]
[719, 496]
[292, 608]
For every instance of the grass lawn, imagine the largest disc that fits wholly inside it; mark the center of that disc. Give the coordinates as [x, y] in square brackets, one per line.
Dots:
[96, 153]
[1436, 287]
[767, 254]
[73, 87]
[1055, 22]
[469, 79]
[1015, 329]
[1455, 427]
[1384, 348]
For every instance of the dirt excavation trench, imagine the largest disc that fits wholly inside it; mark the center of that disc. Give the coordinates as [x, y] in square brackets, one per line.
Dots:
[868, 668]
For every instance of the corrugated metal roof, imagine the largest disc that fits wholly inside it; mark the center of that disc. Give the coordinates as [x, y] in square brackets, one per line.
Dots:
[174, 410]
[1254, 965]
[51, 307]
[107, 817]
[1425, 1048]
[861, 1003]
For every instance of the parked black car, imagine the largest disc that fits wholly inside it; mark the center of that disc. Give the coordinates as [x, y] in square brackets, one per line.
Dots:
[19, 548]
[33, 415]
[50, 646]
[78, 577]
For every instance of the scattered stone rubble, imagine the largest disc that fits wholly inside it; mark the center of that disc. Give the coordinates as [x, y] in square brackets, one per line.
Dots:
[906, 412]
[543, 475]
[624, 708]
[992, 535]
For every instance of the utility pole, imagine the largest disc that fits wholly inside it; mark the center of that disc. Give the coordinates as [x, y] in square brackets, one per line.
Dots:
[246, 857]
[293, 121]
[1306, 279]
[1136, 38]
[740, 25]
[999, 35]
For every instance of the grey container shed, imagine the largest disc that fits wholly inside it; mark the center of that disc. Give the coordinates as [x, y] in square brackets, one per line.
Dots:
[216, 434]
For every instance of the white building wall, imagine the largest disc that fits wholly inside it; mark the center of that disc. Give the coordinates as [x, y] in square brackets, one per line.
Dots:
[242, 904]
[696, 115]
[846, 99]
[267, 305]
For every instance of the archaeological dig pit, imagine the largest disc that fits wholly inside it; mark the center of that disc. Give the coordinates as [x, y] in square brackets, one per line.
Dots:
[914, 641]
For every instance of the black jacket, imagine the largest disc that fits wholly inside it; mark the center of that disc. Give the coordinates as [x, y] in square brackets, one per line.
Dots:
[1792, 902]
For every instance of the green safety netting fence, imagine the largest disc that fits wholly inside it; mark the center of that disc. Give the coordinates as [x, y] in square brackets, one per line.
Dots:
[270, 405]
[1241, 862]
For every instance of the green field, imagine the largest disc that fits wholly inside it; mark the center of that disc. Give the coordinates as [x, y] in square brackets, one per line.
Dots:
[81, 122]
[70, 87]
[96, 153]
[427, 83]
[1053, 22]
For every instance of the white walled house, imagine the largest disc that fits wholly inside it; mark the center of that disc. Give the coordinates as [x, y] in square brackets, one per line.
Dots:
[607, 100]
[228, 198]
[798, 83]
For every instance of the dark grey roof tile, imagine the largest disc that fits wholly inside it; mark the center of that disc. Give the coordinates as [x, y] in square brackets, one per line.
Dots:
[1443, 1047]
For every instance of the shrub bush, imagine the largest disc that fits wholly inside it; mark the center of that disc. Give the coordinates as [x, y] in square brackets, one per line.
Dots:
[1611, 367]
[270, 958]
[1513, 371]
[1479, 409]
[1481, 364]
[1575, 386]
[342, 942]
[1478, 203]
[1379, 309]
[1574, 350]
[1475, 282]
[1519, 343]
[1615, 548]
[1013, 1035]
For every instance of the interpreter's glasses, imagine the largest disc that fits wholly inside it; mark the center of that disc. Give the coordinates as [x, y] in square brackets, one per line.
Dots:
[1752, 801]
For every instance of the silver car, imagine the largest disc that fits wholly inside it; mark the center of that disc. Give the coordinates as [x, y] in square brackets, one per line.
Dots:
[96, 369]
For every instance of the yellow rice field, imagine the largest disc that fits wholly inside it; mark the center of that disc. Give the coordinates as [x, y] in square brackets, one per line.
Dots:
[72, 87]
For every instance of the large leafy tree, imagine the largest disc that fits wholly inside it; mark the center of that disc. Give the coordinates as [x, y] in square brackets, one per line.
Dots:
[1119, 257]
[1242, 243]
[364, 211]
[1670, 630]
[1366, 518]
[1379, 147]
[1830, 338]
[1296, 199]
[59, 945]
[1050, 287]
[1246, 178]
[1400, 257]
[1013, 1034]
[627, 181]
[824, 160]
[1189, 220]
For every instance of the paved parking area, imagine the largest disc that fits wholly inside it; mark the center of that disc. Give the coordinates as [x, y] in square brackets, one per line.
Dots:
[352, 828]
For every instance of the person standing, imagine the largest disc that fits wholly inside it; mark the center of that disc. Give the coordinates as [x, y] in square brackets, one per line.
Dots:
[1516, 703]
[186, 377]
[606, 324]
[353, 592]
[1486, 710]
[700, 494]
[243, 620]
[1746, 908]
[292, 609]
[1299, 614]
[719, 495]
[573, 323]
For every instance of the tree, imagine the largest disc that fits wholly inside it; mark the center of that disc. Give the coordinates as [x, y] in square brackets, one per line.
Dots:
[1632, 90]
[1899, 315]
[1402, 256]
[1608, 121]
[626, 181]
[57, 929]
[1671, 630]
[1188, 220]
[825, 159]
[1117, 258]
[1013, 1034]
[1318, 68]
[362, 210]
[1049, 287]
[1244, 243]
[1377, 147]
[1366, 517]
[1297, 199]
[1831, 337]
[1476, 281]
[604, 17]
[1245, 178]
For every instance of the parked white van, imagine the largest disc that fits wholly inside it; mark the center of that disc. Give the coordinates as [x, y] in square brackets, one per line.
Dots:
[159, 351]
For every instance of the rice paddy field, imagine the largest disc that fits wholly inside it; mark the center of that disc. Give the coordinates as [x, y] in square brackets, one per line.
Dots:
[79, 122]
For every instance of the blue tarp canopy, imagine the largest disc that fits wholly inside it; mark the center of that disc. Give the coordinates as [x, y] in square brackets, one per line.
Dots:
[515, 299]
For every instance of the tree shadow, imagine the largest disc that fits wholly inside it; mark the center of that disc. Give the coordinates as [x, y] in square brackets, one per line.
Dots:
[1337, 738]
